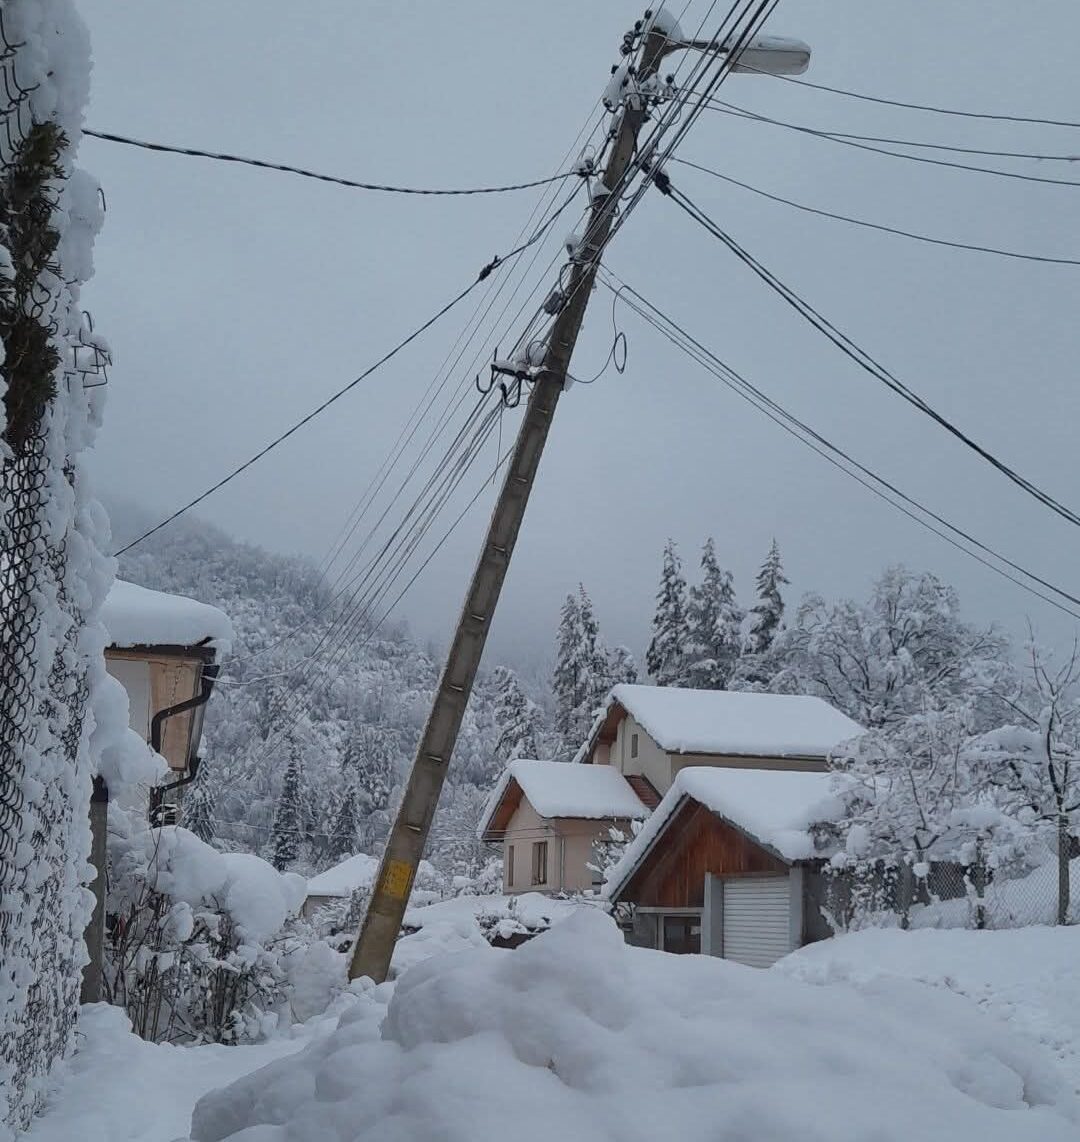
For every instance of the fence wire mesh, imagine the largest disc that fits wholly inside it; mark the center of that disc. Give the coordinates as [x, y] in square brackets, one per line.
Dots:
[44, 781]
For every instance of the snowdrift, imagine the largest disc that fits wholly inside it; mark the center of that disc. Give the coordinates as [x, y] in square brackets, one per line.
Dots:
[576, 1036]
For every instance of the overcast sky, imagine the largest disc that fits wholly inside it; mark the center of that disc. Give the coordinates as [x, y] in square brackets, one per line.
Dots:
[236, 299]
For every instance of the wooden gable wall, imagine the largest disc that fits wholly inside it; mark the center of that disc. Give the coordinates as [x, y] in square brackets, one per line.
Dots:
[694, 843]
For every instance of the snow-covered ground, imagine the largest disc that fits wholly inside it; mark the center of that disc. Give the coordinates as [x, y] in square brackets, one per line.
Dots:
[879, 1034]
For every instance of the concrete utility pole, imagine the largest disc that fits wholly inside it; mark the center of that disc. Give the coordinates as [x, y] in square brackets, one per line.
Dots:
[379, 931]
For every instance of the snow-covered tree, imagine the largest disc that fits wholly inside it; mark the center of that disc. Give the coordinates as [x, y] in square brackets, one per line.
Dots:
[903, 651]
[666, 657]
[345, 830]
[518, 721]
[768, 612]
[288, 820]
[580, 679]
[714, 625]
[1035, 760]
[198, 808]
[369, 763]
[621, 666]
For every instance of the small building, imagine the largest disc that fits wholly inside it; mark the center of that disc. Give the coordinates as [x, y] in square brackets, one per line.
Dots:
[165, 650]
[655, 732]
[728, 866]
[358, 872]
[550, 817]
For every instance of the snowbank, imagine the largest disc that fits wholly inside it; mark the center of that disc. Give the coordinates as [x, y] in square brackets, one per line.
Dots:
[775, 807]
[735, 723]
[1028, 977]
[576, 1036]
[555, 789]
[136, 616]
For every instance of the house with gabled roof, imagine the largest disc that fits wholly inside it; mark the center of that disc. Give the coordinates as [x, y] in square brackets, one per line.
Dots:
[656, 731]
[550, 817]
[729, 865]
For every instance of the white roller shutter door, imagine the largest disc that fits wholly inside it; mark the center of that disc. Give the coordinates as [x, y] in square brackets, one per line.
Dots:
[757, 925]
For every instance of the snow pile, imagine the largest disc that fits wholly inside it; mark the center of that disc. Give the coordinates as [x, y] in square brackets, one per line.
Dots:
[473, 922]
[1027, 977]
[555, 789]
[736, 723]
[774, 807]
[257, 897]
[137, 616]
[577, 1036]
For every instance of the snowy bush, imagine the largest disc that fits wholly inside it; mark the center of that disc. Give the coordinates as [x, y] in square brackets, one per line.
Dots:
[199, 939]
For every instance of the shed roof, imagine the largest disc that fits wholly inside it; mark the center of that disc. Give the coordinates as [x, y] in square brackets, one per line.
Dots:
[726, 722]
[137, 616]
[775, 808]
[556, 789]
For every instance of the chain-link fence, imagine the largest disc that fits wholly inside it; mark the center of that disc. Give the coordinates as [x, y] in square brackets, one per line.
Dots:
[44, 689]
[951, 894]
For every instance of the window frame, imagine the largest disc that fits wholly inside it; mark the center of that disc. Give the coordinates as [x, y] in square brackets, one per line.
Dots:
[633, 746]
[509, 866]
[539, 863]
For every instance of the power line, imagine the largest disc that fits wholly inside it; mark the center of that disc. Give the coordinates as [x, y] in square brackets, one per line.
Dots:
[925, 106]
[493, 265]
[732, 109]
[286, 168]
[698, 352]
[739, 112]
[861, 357]
[877, 225]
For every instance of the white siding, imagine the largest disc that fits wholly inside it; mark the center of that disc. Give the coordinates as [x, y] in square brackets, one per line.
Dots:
[757, 924]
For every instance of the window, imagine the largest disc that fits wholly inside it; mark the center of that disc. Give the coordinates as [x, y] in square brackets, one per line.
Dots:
[633, 745]
[681, 934]
[509, 866]
[539, 863]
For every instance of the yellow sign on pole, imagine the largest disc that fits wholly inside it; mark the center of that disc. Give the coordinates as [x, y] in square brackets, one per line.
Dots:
[398, 879]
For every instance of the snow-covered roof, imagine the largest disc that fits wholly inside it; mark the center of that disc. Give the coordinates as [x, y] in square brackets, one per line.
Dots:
[733, 722]
[558, 789]
[353, 872]
[774, 807]
[137, 616]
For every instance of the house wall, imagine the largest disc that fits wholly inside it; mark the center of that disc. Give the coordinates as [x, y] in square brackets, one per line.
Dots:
[802, 764]
[694, 844]
[651, 762]
[570, 850]
[153, 683]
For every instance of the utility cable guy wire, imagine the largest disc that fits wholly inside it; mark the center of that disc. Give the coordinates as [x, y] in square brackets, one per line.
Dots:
[264, 164]
[858, 355]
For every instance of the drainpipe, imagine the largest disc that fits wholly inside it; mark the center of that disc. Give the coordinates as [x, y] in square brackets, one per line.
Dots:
[157, 730]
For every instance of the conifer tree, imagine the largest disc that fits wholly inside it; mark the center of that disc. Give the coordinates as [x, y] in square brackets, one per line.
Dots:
[582, 676]
[621, 666]
[666, 657]
[517, 719]
[345, 830]
[768, 612]
[564, 681]
[714, 625]
[198, 809]
[287, 819]
[368, 761]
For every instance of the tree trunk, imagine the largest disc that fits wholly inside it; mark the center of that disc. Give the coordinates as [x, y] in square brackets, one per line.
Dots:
[1063, 847]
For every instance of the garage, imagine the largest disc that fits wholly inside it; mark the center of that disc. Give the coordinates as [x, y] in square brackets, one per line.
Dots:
[756, 920]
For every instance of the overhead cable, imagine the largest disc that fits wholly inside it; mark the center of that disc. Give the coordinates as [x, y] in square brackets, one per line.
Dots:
[698, 352]
[353, 184]
[863, 359]
[741, 113]
[878, 225]
[924, 106]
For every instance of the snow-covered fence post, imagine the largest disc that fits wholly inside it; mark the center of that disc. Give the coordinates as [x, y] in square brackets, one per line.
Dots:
[53, 577]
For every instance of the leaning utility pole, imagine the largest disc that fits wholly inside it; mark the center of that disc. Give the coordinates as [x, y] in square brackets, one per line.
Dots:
[405, 847]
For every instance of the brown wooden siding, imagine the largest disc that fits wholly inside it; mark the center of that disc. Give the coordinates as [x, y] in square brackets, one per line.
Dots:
[696, 842]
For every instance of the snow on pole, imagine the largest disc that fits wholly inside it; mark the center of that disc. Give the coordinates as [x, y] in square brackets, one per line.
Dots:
[53, 576]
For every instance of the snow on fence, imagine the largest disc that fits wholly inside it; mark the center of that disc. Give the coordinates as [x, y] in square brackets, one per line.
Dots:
[947, 894]
[52, 576]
